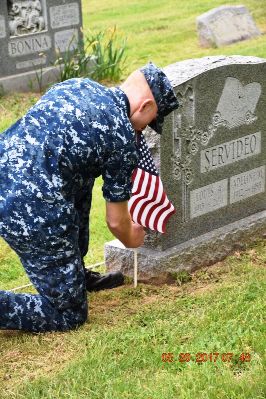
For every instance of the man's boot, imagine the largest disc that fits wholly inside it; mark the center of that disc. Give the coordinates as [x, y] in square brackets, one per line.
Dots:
[97, 281]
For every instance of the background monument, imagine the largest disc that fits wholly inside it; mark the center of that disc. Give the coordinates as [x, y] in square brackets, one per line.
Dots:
[226, 25]
[211, 157]
[32, 33]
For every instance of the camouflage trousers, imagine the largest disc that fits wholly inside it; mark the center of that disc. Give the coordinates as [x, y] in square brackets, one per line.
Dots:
[61, 303]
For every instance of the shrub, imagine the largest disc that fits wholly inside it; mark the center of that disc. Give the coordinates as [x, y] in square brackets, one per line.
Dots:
[108, 53]
[74, 62]
[100, 56]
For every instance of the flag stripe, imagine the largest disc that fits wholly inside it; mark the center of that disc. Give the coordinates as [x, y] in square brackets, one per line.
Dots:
[149, 205]
[162, 216]
[140, 191]
[138, 180]
[164, 220]
[160, 210]
[150, 201]
[156, 210]
[157, 202]
[137, 184]
[142, 200]
[143, 203]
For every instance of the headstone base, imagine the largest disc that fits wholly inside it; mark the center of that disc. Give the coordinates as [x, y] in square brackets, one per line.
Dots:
[157, 266]
[28, 81]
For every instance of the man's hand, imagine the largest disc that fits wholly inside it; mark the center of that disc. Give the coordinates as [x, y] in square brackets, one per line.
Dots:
[138, 234]
[120, 224]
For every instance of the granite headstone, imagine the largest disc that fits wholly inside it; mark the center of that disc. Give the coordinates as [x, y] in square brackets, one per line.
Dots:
[225, 25]
[32, 34]
[212, 157]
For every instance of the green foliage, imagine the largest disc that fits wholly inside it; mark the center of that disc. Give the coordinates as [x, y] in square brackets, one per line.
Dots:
[73, 63]
[182, 277]
[13, 106]
[100, 56]
[39, 75]
[108, 53]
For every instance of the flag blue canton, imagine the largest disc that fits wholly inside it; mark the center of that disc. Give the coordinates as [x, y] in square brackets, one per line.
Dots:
[145, 159]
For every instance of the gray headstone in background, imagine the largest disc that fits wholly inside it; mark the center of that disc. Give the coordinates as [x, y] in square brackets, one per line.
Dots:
[31, 34]
[225, 25]
[212, 157]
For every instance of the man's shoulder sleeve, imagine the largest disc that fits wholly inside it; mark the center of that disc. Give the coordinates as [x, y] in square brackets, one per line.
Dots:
[117, 172]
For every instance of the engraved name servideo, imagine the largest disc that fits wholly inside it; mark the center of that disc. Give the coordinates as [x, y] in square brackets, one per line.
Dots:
[229, 152]
[29, 45]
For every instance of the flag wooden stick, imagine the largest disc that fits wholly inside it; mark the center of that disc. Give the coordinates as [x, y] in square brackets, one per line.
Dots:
[135, 267]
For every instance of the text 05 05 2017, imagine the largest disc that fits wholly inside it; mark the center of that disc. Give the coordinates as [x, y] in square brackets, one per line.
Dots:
[201, 357]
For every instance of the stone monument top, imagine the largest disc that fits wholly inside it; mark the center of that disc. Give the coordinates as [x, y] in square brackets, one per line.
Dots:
[32, 34]
[181, 71]
[225, 25]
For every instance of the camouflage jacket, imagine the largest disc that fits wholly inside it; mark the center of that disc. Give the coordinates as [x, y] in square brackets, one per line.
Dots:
[78, 130]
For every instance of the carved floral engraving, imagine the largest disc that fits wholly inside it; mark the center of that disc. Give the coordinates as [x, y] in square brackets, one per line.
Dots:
[185, 115]
[25, 17]
[2, 27]
[236, 107]
[237, 104]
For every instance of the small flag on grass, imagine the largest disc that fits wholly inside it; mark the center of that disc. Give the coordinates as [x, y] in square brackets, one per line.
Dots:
[149, 205]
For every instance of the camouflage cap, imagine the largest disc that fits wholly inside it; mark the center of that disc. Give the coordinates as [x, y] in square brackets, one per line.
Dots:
[163, 94]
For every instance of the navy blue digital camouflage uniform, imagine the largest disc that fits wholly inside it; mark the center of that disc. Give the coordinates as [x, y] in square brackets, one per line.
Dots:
[48, 162]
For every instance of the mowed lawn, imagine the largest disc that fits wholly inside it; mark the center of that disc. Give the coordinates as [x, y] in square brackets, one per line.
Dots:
[219, 312]
[164, 31]
[216, 322]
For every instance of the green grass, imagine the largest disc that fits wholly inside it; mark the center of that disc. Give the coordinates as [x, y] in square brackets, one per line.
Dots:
[117, 354]
[164, 31]
[13, 106]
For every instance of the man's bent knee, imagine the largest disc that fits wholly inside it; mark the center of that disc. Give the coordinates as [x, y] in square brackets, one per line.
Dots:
[75, 317]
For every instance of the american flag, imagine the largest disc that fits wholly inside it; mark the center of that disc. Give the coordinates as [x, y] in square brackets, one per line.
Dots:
[149, 205]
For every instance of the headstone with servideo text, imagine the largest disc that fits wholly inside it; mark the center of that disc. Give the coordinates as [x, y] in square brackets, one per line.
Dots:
[211, 156]
[32, 35]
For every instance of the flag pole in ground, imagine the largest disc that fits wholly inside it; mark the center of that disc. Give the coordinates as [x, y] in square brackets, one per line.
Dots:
[135, 267]
[148, 205]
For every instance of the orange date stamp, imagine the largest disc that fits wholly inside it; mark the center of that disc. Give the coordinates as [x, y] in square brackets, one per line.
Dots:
[202, 357]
